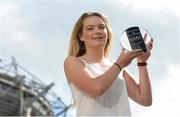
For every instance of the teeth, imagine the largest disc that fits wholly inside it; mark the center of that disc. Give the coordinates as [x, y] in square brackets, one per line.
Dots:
[98, 38]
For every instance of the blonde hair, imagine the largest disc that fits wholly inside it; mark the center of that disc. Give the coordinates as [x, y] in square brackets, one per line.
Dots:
[77, 47]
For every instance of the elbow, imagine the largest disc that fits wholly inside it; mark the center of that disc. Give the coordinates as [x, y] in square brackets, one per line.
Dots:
[146, 102]
[98, 90]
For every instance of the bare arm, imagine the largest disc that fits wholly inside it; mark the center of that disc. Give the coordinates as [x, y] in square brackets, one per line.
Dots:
[77, 73]
[140, 93]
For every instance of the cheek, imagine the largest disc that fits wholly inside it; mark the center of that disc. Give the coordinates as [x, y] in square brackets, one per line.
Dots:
[105, 34]
[87, 35]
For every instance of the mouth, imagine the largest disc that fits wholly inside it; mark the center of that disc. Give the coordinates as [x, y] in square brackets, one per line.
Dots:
[97, 38]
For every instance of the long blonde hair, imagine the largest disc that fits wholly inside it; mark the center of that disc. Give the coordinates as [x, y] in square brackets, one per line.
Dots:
[77, 47]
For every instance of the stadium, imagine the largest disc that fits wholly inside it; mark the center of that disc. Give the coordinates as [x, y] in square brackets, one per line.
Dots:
[23, 94]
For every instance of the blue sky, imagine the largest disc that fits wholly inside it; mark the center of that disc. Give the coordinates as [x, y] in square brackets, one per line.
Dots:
[37, 32]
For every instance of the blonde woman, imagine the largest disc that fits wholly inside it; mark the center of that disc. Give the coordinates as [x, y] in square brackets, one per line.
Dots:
[97, 87]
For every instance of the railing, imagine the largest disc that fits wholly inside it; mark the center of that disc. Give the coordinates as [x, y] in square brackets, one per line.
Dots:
[22, 82]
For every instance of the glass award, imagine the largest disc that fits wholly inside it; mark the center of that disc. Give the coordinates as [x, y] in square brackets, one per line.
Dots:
[135, 38]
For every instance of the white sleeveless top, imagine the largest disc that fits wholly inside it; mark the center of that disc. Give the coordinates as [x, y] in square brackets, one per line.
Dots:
[114, 102]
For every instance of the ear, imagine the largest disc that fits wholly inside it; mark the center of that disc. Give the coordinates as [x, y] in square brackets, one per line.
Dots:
[80, 37]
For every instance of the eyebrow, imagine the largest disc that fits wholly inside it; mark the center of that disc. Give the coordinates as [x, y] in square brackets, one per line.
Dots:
[93, 25]
[89, 25]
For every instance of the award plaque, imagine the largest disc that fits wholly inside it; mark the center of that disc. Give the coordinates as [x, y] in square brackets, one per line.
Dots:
[135, 38]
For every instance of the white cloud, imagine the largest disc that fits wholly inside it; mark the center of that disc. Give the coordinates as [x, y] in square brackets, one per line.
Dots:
[151, 6]
[4, 8]
[166, 102]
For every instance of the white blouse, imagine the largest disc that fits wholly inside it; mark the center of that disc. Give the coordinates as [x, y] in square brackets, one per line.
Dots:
[114, 102]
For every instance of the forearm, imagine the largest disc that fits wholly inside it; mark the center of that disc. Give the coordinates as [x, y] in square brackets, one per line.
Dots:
[145, 94]
[104, 81]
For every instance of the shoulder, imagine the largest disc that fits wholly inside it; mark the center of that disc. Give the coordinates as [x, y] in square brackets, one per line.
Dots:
[73, 67]
[70, 58]
[72, 61]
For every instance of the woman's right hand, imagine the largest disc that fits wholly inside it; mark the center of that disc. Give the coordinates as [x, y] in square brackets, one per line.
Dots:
[126, 57]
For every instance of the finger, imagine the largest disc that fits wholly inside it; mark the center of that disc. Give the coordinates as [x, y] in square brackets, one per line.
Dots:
[136, 50]
[145, 37]
[150, 45]
[125, 74]
[123, 50]
[151, 41]
[136, 53]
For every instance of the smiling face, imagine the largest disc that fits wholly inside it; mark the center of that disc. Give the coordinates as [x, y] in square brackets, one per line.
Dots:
[94, 33]
[91, 31]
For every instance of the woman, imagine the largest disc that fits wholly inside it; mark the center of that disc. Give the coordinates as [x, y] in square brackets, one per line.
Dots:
[97, 88]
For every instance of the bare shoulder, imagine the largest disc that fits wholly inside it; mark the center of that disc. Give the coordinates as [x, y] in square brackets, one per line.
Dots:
[72, 64]
[73, 67]
[72, 60]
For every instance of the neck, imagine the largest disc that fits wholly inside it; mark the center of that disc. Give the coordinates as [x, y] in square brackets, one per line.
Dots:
[94, 56]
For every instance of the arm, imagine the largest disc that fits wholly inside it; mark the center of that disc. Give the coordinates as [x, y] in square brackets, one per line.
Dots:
[140, 93]
[77, 73]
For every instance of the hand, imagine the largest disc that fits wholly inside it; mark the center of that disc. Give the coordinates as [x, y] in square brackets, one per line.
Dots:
[126, 57]
[144, 57]
[149, 45]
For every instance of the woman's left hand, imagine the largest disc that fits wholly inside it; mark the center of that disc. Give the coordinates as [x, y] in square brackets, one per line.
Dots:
[144, 57]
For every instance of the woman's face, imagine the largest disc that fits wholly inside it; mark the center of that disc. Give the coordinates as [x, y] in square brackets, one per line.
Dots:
[94, 33]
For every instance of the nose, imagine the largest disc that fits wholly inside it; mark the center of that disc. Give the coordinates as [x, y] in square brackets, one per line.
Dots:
[97, 31]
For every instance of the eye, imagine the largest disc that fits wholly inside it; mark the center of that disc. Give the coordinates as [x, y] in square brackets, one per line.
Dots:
[90, 28]
[102, 27]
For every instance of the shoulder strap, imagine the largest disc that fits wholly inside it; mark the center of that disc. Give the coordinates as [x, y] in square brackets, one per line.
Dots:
[83, 61]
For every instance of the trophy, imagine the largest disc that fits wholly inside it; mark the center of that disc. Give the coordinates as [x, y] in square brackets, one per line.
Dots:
[135, 38]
